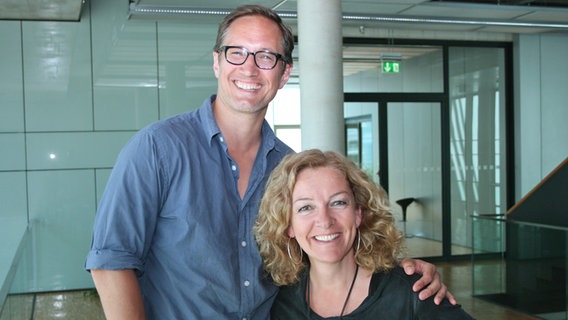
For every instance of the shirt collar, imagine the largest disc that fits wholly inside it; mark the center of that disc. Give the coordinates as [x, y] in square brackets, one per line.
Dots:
[212, 129]
[208, 119]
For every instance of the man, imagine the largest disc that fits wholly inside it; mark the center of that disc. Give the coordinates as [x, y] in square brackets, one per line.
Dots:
[172, 236]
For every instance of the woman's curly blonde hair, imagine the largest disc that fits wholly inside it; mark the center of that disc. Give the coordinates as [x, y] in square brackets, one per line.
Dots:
[380, 240]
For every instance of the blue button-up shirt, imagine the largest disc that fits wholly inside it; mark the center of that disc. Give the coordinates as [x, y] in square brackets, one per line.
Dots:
[172, 212]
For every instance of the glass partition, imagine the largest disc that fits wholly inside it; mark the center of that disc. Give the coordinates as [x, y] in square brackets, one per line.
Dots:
[477, 138]
[531, 276]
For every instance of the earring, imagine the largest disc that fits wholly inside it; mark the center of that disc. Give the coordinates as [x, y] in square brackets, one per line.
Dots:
[290, 254]
[358, 241]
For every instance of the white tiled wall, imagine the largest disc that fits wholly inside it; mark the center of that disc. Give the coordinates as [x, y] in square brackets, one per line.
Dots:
[11, 95]
[71, 95]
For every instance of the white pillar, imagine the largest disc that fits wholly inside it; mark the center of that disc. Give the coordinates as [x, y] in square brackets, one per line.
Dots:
[321, 74]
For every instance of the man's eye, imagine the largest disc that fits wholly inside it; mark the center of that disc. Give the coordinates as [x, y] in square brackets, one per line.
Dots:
[266, 56]
[237, 53]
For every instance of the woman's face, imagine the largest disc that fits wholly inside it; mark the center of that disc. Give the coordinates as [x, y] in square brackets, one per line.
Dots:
[324, 216]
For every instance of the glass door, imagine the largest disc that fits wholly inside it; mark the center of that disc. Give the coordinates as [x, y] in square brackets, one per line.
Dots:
[415, 174]
[399, 143]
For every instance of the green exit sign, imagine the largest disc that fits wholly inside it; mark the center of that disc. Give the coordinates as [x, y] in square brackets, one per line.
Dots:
[391, 67]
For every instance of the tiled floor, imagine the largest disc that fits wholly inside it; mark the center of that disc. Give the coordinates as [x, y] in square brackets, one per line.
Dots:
[85, 305]
[457, 276]
[75, 305]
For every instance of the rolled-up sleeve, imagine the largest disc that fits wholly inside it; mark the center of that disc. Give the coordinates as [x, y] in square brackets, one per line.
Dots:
[126, 218]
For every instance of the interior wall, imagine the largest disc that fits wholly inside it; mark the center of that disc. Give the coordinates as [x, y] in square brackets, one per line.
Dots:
[541, 107]
[72, 94]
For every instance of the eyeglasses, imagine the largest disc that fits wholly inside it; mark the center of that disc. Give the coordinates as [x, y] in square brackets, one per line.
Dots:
[263, 59]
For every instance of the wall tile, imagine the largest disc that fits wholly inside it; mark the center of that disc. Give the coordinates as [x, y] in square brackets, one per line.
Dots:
[62, 210]
[102, 176]
[186, 65]
[13, 151]
[11, 97]
[13, 201]
[57, 75]
[125, 72]
[74, 150]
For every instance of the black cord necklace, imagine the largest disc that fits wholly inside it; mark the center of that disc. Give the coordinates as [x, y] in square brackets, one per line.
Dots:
[346, 299]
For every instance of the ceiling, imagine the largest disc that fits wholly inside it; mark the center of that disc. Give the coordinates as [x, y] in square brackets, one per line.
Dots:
[45, 10]
[509, 16]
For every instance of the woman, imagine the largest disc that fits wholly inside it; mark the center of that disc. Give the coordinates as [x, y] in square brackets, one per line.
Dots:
[328, 237]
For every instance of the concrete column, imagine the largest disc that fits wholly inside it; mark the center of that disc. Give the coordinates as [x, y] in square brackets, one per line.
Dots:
[321, 74]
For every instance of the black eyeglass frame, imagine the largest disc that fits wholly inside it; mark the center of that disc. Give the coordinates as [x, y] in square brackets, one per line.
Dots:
[278, 56]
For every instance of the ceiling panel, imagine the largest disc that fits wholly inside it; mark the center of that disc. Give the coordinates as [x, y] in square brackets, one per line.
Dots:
[45, 10]
[548, 15]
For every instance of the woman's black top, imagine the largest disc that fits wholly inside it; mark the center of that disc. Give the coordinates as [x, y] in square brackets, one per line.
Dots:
[390, 297]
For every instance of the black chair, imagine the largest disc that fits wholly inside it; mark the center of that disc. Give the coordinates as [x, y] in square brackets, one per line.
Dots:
[404, 203]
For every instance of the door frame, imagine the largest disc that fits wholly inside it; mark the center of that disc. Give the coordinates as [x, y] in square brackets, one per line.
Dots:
[382, 100]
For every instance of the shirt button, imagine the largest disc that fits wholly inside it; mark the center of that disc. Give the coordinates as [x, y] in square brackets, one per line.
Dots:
[247, 283]
[243, 244]
[234, 167]
[221, 139]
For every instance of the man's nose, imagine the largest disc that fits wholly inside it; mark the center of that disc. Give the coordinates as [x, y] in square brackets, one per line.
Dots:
[250, 63]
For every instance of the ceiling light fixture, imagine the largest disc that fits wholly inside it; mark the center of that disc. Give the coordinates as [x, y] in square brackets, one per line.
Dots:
[136, 10]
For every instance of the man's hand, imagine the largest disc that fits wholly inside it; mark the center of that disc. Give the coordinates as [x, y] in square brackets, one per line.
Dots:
[430, 281]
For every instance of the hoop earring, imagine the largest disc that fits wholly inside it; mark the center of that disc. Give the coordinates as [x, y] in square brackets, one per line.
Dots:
[290, 254]
[358, 241]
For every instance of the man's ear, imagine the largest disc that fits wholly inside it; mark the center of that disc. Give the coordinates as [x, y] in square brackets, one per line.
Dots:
[216, 63]
[285, 75]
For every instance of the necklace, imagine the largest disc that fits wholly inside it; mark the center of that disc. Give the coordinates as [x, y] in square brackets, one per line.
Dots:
[346, 299]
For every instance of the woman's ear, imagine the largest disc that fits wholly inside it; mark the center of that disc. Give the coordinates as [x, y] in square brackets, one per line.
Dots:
[290, 232]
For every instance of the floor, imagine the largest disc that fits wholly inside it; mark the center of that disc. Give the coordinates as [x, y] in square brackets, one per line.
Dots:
[84, 305]
[454, 274]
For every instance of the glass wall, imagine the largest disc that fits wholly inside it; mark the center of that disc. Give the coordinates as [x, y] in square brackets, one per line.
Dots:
[467, 124]
[477, 140]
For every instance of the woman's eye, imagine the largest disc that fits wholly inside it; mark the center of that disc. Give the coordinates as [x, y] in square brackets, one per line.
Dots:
[303, 209]
[339, 203]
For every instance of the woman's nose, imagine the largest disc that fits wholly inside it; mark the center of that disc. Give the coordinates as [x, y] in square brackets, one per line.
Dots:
[325, 220]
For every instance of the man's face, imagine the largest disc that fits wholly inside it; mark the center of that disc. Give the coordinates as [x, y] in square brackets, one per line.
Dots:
[247, 88]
